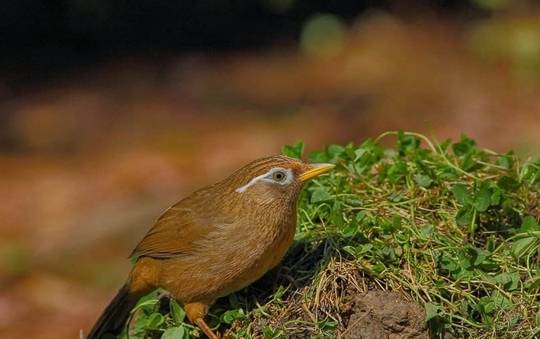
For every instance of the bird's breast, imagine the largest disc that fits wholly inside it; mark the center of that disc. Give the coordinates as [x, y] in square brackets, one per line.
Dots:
[256, 254]
[240, 253]
[234, 254]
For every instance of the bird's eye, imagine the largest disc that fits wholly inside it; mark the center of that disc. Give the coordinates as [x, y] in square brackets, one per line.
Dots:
[279, 176]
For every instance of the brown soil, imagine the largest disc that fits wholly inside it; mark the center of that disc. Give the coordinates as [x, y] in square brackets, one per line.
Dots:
[385, 314]
[360, 305]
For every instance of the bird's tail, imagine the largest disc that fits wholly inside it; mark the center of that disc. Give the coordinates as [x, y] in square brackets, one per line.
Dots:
[114, 318]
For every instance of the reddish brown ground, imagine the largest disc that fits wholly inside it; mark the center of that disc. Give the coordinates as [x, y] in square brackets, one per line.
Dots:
[100, 154]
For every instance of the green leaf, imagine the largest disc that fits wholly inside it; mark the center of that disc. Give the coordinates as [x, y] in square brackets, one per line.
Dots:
[508, 183]
[423, 180]
[500, 300]
[505, 161]
[348, 153]
[350, 230]
[154, 321]
[491, 243]
[461, 194]
[407, 143]
[147, 303]
[469, 162]
[271, 333]
[327, 324]
[529, 224]
[317, 157]
[489, 304]
[359, 153]
[360, 217]
[531, 172]
[177, 312]
[482, 200]
[174, 333]
[508, 280]
[496, 196]
[396, 221]
[294, 151]
[521, 246]
[320, 194]
[334, 152]
[432, 311]
[464, 146]
[477, 256]
[397, 171]
[229, 316]
[378, 268]
[532, 283]
[359, 251]
[465, 216]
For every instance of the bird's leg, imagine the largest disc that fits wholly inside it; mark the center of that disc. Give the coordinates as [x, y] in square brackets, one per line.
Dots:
[195, 312]
[204, 327]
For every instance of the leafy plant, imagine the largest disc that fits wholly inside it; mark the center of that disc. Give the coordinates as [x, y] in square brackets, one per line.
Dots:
[452, 225]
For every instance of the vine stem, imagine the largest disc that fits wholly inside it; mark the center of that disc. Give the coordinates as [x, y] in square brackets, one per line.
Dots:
[436, 150]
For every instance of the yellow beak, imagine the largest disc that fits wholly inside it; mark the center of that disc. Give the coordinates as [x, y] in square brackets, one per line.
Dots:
[315, 170]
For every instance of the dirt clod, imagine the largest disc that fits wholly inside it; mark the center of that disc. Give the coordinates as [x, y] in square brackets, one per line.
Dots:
[384, 314]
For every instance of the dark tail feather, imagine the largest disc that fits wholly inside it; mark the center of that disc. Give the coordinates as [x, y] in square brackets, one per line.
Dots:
[114, 318]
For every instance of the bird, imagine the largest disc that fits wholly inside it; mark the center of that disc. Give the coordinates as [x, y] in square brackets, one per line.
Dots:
[216, 241]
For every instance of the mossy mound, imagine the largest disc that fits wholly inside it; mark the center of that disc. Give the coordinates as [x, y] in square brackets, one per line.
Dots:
[448, 229]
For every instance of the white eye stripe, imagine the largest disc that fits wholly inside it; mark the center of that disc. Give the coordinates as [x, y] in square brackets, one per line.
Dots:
[250, 183]
[268, 177]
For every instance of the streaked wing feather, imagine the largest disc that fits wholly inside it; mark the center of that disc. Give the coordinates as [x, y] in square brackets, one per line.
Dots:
[172, 235]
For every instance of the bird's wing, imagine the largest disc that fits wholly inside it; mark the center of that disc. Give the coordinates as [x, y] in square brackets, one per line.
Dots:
[174, 234]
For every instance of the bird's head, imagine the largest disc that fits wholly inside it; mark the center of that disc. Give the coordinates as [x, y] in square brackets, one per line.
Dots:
[276, 178]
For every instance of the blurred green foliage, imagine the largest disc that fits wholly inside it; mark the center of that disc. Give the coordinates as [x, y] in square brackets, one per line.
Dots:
[514, 42]
[322, 35]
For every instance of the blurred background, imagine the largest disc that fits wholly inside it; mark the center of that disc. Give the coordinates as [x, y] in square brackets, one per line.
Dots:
[110, 111]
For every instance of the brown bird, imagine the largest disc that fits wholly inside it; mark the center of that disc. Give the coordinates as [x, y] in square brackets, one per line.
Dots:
[216, 241]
